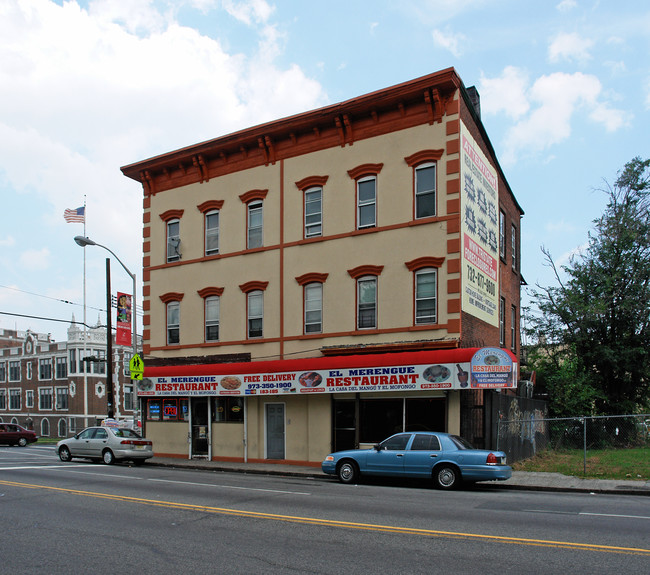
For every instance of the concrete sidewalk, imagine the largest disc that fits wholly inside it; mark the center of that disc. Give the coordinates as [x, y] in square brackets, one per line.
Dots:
[519, 480]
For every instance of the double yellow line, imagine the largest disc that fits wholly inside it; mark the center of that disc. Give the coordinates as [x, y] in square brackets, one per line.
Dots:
[343, 524]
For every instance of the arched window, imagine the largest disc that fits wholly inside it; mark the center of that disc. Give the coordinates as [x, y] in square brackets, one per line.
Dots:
[45, 428]
[62, 428]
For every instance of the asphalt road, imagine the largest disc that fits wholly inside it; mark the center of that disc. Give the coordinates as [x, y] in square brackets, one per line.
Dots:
[82, 517]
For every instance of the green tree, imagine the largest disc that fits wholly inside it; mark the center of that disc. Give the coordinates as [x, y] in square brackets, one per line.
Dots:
[595, 325]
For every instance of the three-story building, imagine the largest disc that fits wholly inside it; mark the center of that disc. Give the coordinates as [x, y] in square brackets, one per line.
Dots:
[325, 280]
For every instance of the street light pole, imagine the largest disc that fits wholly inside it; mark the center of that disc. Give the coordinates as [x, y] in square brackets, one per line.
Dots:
[110, 394]
[83, 242]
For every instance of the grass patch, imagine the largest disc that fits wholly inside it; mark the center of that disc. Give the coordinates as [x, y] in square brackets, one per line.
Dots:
[629, 463]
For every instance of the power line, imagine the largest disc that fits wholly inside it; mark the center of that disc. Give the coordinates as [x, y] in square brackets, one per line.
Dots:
[139, 310]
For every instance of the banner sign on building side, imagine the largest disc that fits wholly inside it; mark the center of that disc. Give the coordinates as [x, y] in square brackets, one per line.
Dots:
[479, 232]
[123, 334]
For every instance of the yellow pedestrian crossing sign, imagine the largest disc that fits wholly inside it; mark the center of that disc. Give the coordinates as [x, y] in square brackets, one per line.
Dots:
[136, 366]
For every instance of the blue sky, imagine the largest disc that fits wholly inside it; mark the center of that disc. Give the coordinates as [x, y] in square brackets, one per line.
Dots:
[89, 86]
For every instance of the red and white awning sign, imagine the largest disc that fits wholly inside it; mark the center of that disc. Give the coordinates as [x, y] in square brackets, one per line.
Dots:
[410, 371]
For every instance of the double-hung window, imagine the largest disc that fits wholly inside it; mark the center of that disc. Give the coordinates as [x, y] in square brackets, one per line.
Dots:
[14, 399]
[255, 313]
[212, 232]
[61, 368]
[502, 322]
[425, 296]
[45, 369]
[513, 247]
[367, 202]
[45, 398]
[367, 302]
[14, 371]
[3, 371]
[314, 308]
[173, 322]
[513, 331]
[502, 235]
[3, 399]
[425, 190]
[62, 398]
[255, 225]
[313, 212]
[173, 240]
[212, 305]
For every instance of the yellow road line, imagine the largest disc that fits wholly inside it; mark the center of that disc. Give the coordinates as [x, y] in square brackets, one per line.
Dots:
[343, 524]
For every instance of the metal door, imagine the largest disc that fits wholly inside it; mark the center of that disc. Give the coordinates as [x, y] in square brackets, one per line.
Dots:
[275, 431]
[200, 428]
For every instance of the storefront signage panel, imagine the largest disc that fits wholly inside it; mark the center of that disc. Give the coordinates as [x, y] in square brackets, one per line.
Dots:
[492, 368]
[479, 232]
[347, 380]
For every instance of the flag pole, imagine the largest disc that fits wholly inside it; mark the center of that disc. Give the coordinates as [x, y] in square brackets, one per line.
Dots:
[84, 363]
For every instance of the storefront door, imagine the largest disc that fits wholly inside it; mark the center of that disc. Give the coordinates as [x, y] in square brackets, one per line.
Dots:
[275, 431]
[200, 425]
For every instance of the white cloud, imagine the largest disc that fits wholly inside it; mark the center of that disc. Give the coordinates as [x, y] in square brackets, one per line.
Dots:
[8, 241]
[554, 101]
[36, 259]
[449, 41]
[505, 94]
[571, 47]
[566, 5]
[250, 11]
[560, 227]
[87, 91]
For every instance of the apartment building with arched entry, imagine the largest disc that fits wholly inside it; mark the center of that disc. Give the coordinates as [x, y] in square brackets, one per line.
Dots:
[324, 280]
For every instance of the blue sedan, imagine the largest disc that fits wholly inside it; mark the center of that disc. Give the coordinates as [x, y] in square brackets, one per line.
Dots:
[447, 459]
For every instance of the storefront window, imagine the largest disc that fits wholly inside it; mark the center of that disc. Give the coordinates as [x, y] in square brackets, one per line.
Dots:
[170, 410]
[228, 409]
[380, 418]
[153, 410]
[184, 406]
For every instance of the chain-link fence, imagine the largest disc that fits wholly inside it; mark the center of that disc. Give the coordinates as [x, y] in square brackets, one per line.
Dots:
[523, 438]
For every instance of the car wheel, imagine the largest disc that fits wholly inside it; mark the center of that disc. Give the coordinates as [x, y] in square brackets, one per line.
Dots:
[348, 472]
[108, 457]
[22, 442]
[446, 477]
[64, 454]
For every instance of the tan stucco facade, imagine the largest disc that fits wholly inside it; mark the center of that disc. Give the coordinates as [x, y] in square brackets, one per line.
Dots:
[386, 135]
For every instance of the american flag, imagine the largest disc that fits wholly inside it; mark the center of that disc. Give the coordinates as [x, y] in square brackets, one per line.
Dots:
[75, 216]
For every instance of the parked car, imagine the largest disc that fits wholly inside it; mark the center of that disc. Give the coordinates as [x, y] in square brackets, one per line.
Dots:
[14, 434]
[447, 459]
[107, 444]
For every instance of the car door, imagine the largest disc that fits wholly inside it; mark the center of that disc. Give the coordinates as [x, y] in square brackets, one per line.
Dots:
[388, 458]
[424, 452]
[98, 442]
[12, 434]
[80, 447]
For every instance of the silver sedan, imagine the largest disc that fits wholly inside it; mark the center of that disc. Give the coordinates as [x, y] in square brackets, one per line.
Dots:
[107, 444]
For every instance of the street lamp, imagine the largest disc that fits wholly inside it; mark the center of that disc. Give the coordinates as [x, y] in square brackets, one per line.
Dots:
[83, 242]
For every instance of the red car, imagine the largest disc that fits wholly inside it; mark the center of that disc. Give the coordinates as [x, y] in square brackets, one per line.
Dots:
[14, 434]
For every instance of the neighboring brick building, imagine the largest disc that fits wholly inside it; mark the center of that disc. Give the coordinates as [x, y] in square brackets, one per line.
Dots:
[375, 236]
[43, 385]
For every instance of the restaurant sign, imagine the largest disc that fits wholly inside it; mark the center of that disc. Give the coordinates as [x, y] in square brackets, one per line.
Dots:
[490, 371]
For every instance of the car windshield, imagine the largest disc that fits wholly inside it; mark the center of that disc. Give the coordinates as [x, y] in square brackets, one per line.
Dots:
[124, 432]
[460, 442]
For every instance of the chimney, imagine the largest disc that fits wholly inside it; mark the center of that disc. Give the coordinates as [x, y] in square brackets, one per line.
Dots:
[475, 99]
